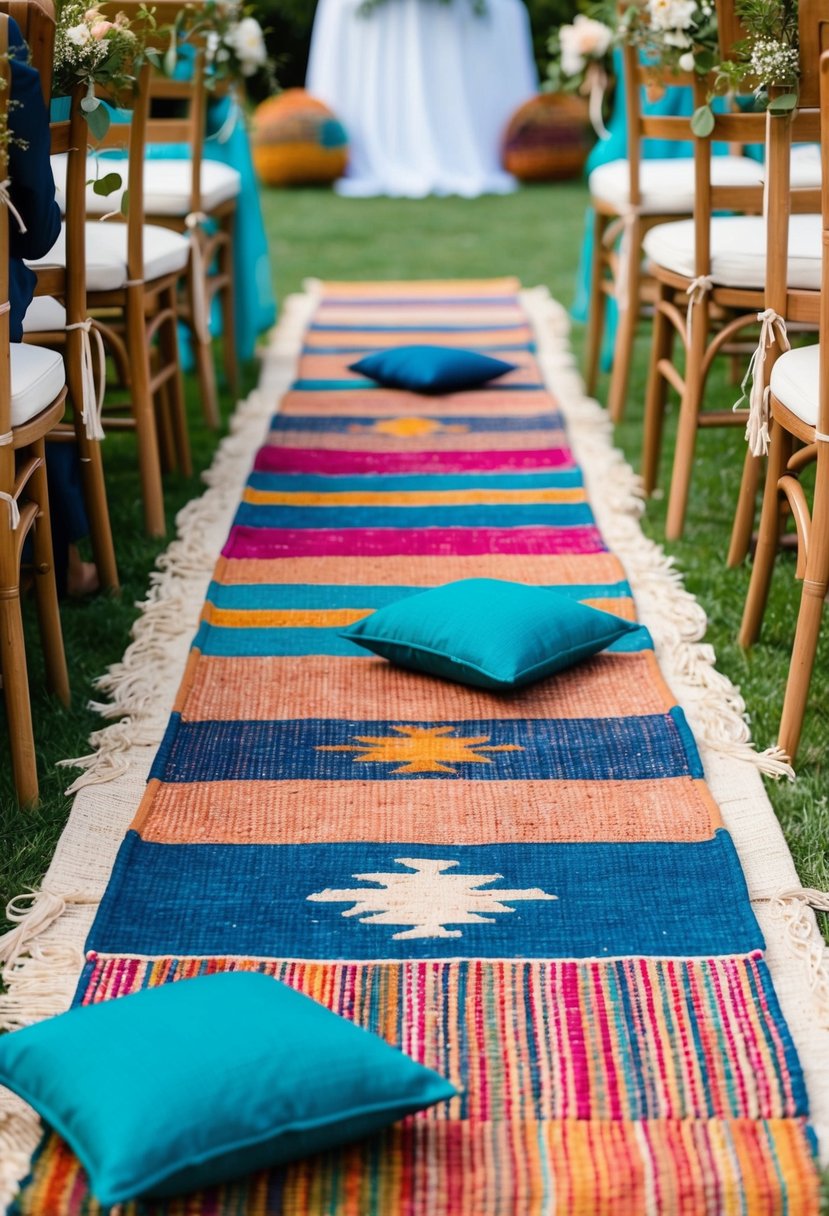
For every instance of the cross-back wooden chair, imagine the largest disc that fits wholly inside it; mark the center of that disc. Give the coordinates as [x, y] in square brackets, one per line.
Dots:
[132, 270]
[632, 196]
[64, 325]
[710, 274]
[32, 395]
[798, 403]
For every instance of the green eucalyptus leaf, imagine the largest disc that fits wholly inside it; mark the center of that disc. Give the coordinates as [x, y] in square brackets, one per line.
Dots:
[107, 184]
[125, 202]
[702, 121]
[704, 62]
[98, 121]
[784, 104]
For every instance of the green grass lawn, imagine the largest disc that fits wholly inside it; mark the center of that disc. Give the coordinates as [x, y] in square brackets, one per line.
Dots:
[535, 235]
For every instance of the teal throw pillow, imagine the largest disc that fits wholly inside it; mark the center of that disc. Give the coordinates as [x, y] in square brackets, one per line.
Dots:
[201, 1080]
[431, 369]
[487, 632]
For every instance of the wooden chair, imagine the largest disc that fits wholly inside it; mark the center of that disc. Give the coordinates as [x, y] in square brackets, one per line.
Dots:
[32, 395]
[193, 196]
[630, 197]
[710, 273]
[798, 401]
[132, 271]
[58, 315]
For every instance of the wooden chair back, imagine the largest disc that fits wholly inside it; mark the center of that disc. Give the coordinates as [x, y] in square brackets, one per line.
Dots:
[177, 107]
[6, 452]
[36, 19]
[823, 79]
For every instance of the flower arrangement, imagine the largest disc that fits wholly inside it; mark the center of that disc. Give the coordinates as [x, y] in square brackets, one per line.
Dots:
[580, 61]
[681, 35]
[234, 41]
[92, 50]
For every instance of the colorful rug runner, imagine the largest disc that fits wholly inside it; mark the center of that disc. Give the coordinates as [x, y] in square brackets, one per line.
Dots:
[532, 893]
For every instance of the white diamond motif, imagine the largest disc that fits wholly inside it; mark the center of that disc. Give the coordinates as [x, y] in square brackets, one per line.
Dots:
[427, 899]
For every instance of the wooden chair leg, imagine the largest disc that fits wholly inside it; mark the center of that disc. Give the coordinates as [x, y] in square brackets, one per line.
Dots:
[97, 508]
[597, 306]
[807, 632]
[662, 343]
[228, 305]
[149, 465]
[631, 251]
[744, 516]
[46, 591]
[176, 409]
[768, 540]
[16, 693]
[164, 430]
[686, 436]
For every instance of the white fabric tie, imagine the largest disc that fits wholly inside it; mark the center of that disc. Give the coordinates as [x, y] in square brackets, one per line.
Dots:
[594, 87]
[229, 125]
[5, 197]
[623, 224]
[200, 319]
[819, 435]
[14, 510]
[93, 396]
[696, 291]
[757, 427]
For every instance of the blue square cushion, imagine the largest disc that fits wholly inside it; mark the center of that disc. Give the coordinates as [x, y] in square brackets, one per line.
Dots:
[487, 632]
[185, 1085]
[431, 369]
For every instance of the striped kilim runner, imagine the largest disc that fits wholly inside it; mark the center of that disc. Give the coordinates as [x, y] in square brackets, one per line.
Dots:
[531, 893]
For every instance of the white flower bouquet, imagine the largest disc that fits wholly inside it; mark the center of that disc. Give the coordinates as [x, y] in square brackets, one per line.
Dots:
[580, 61]
[91, 50]
[233, 38]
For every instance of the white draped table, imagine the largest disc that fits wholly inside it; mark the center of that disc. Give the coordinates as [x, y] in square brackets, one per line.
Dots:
[424, 89]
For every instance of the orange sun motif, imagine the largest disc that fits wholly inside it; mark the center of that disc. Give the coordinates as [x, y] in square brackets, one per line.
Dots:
[421, 749]
[411, 428]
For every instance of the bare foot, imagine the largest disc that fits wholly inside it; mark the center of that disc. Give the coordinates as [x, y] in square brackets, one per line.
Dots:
[81, 577]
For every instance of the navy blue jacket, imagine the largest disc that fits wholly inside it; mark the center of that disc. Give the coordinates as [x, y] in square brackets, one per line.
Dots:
[32, 187]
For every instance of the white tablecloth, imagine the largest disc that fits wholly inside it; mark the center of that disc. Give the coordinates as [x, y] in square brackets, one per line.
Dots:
[424, 90]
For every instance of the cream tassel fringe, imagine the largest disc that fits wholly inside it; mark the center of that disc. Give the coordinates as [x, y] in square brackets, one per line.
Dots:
[41, 966]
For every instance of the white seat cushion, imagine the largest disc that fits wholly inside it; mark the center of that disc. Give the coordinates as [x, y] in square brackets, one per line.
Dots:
[165, 252]
[37, 377]
[45, 314]
[667, 186]
[794, 382]
[738, 250]
[166, 184]
[805, 171]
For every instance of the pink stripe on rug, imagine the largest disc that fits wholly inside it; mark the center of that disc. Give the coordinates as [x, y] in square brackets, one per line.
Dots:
[245, 541]
[317, 460]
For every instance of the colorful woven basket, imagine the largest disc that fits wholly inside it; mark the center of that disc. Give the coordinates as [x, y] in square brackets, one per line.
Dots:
[297, 141]
[547, 138]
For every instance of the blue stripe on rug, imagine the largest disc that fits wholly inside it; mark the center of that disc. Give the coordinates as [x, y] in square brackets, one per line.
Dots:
[326, 749]
[551, 515]
[223, 641]
[565, 479]
[339, 424]
[518, 901]
[247, 596]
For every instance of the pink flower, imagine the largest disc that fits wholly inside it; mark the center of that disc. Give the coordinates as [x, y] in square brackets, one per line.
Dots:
[101, 28]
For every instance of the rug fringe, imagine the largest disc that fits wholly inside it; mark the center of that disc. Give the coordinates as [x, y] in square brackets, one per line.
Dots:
[41, 958]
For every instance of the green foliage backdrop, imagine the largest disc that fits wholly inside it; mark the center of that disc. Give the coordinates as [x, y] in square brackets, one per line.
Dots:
[289, 24]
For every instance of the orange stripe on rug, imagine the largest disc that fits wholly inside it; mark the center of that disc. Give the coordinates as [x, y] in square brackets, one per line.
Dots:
[458, 812]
